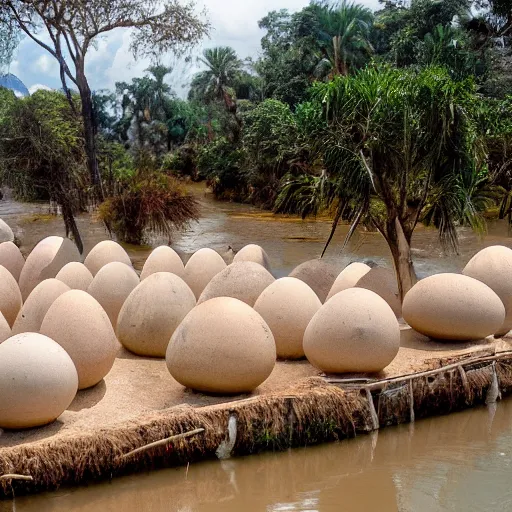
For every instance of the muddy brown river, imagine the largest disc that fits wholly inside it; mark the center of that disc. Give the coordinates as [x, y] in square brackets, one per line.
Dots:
[461, 462]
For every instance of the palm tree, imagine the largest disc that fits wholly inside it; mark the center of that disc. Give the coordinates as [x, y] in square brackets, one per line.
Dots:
[216, 83]
[344, 31]
[399, 147]
[160, 90]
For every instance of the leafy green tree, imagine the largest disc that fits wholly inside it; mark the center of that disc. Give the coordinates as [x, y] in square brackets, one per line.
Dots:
[67, 29]
[451, 49]
[270, 136]
[289, 60]
[397, 148]
[42, 153]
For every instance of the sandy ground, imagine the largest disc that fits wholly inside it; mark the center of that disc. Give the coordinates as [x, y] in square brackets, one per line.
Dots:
[137, 385]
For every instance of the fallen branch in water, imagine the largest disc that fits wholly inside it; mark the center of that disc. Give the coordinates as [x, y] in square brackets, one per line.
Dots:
[162, 442]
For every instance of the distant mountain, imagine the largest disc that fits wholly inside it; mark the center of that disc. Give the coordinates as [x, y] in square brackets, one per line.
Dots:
[12, 82]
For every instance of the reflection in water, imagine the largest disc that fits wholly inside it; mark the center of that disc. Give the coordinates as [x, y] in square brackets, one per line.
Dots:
[451, 463]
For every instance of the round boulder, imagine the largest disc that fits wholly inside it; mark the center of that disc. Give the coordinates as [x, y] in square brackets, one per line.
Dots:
[38, 381]
[10, 296]
[45, 261]
[6, 234]
[348, 277]
[103, 253]
[152, 312]
[163, 259]
[287, 306]
[253, 252]
[493, 267]
[5, 330]
[79, 324]
[111, 287]
[355, 331]
[76, 275]
[244, 280]
[12, 259]
[201, 268]
[36, 306]
[222, 346]
[382, 281]
[453, 307]
[318, 274]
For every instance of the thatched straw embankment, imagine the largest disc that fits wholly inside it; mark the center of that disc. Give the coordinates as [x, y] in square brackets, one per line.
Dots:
[316, 410]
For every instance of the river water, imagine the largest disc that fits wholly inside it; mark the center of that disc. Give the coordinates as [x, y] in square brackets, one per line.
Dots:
[461, 462]
[288, 241]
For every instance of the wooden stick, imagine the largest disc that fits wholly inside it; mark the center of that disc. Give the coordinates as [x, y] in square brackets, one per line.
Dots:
[162, 442]
[13, 476]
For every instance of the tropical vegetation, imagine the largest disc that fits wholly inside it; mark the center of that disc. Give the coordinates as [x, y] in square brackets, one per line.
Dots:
[385, 119]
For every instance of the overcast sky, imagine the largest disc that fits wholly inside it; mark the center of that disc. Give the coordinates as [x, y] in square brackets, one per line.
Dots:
[234, 23]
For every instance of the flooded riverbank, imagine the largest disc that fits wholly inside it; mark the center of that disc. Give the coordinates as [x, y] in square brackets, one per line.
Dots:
[449, 463]
[288, 241]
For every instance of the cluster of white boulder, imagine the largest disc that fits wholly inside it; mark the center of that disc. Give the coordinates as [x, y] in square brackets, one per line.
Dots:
[220, 327]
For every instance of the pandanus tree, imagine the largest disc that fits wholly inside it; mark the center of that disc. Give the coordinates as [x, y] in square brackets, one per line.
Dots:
[343, 36]
[398, 147]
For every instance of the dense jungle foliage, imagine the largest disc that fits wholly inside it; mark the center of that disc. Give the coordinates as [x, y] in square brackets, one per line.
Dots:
[386, 118]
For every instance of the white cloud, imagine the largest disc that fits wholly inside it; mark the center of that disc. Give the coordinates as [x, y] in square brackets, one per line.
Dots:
[234, 23]
[37, 87]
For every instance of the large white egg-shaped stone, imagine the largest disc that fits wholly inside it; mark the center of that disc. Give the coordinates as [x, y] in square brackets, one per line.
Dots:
[38, 381]
[348, 277]
[78, 323]
[383, 282]
[5, 330]
[244, 280]
[318, 274]
[103, 253]
[253, 252]
[10, 296]
[12, 259]
[201, 268]
[152, 312]
[493, 267]
[111, 287]
[6, 234]
[354, 331]
[36, 306]
[453, 307]
[45, 261]
[287, 306]
[76, 275]
[222, 346]
[163, 259]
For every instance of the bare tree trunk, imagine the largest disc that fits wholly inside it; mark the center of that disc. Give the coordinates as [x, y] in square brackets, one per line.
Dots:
[70, 222]
[400, 247]
[89, 133]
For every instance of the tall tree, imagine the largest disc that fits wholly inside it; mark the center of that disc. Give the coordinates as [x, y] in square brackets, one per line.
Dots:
[217, 81]
[399, 147]
[67, 29]
[343, 37]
